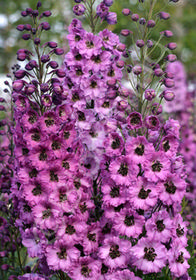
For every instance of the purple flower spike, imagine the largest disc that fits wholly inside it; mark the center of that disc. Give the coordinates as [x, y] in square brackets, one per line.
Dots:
[58, 51]
[158, 72]
[171, 57]
[45, 58]
[164, 15]
[134, 120]
[44, 87]
[45, 25]
[137, 69]
[111, 18]
[142, 21]
[20, 74]
[169, 82]
[60, 73]
[168, 95]
[24, 14]
[18, 85]
[26, 36]
[172, 46]
[52, 64]
[140, 43]
[125, 32]
[20, 27]
[37, 41]
[108, 3]
[135, 17]
[52, 45]
[47, 13]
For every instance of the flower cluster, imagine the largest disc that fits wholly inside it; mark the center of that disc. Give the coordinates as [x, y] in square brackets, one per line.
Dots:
[98, 180]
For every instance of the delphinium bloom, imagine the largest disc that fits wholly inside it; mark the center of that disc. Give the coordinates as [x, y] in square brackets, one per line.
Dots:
[96, 187]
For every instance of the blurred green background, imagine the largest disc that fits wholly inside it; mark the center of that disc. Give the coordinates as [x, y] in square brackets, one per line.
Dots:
[182, 23]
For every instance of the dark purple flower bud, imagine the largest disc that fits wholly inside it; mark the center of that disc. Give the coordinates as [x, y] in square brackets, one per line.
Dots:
[26, 36]
[52, 45]
[79, 9]
[58, 51]
[34, 31]
[39, 4]
[142, 21]
[152, 122]
[175, 1]
[137, 69]
[2, 100]
[20, 74]
[45, 25]
[24, 14]
[168, 33]
[157, 108]
[5, 267]
[125, 32]
[52, 64]
[120, 63]
[172, 46]
[149, 94]
[12, 277]
[164, 15]
[47, 13]
[121, 47]
[37, 41]
[29, 11]
[28, 67]
[135, 17]
[2, 108]
[111, 18]
[60, 73]
[45, 58]
[140, 43]
[77, 1]
[150, 44]
[126, 12]
[46, 100]
[57, 88]
[171, 57]
[35, 13]
[122, 105]
[169, 82]
[151, 23]
[134, 120]
[20, 27]
[29, 89]
[126, 54]
[28, 27]
[158, 72]
[35, 83]
[129, 68]
[168, 95]
[44, 87]
[17, 85]
[102, 10]
[6, 83]
[33, 63]
[108, 3]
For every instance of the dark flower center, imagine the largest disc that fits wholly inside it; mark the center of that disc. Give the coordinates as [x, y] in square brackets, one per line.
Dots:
[56, 145]
[123, 170]
[115, 191]
[143, 194]
[139, 150]
[90, 105]
[43, 156]
[106, 104]
[157, 166]
[96, 59]
[49, 121]
[70, 230]
[62, 197]
[160, 225]
[27, 208]
[85, 270]
[115, 143]
[78, 57]
[33, 173]
[46, 213]
[107, 228]
[66, 134]
[104, 269]
[35, 136]
[81, 116]
[135, 120]
[180, 258]
[83, 207]
[93, 84]
[37, 190]
[111, 73]
[33, 118]
[25, 151]
[62, 254]
[92, 236]
[114, 252]
[89, 44]
[75, 97]
[77, 184]
[129, 220]
[179, 231]
[77, 38]
[53, 176]
[166, 146]
[50, 235]
[79, 72]
[149, 254]
[170, 187]
[119, 207]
